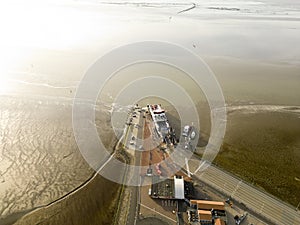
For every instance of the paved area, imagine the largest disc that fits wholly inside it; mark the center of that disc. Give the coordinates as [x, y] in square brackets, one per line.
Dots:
[155, 207]
[152, 221]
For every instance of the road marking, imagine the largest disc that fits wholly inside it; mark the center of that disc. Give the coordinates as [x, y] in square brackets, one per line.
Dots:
[158, 213]
[187, 167]
[199, 167]
[236, 188]
[262, 207]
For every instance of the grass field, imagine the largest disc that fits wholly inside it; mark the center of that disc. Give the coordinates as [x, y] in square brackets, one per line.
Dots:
[264, 149]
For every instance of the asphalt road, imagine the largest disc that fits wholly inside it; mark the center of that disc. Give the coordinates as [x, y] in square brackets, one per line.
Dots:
[266, 205]
[135, 191]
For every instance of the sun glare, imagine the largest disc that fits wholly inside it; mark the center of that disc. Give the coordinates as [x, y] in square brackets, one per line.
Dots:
[42, 25]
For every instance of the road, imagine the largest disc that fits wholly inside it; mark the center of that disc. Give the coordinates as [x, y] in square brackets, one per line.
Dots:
[135, 191]
[259, 202]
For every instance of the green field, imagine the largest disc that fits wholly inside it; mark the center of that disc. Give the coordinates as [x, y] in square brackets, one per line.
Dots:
[264, 149]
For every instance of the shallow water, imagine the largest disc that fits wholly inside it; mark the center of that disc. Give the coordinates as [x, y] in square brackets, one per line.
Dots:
[39, 160]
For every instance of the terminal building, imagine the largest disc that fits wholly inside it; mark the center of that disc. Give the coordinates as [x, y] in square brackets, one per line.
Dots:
[173, 189]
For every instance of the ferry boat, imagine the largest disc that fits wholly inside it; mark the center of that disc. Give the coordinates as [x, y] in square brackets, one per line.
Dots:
[160, 120]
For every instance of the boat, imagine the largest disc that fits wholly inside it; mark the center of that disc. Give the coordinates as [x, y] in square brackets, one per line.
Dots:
[160, 120]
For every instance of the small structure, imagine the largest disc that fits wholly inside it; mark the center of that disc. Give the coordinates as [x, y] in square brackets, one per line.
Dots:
[179, 187]
[207, 212]
[218, 221]
[208, 205]
[204, 216]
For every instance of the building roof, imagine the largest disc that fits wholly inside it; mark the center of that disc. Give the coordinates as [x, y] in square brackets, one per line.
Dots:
[193, 202]
[204, 215]
[210, 202]
[208, 205]
[179, 187]
[218, 221]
